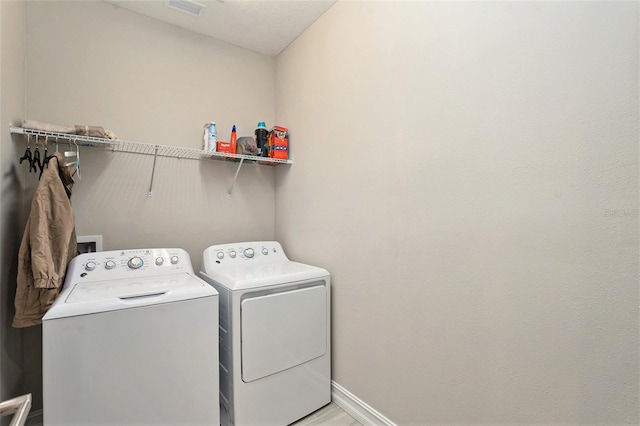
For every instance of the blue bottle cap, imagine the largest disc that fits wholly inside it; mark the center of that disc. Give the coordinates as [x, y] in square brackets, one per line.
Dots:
[261, 125]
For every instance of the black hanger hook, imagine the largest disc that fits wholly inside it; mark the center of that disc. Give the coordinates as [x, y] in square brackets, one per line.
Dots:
[27, 153]
[35, 162]
[45, 160]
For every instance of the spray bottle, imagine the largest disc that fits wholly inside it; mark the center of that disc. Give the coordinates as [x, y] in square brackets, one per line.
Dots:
[210, 137]
[234, 139]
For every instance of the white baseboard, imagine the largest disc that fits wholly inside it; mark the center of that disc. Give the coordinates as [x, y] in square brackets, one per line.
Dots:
[357, 408]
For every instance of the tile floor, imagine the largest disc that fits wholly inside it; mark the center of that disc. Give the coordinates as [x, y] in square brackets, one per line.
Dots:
[330, 415]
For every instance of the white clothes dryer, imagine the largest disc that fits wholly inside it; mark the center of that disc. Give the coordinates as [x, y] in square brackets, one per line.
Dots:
[132, 339]
[275, 356]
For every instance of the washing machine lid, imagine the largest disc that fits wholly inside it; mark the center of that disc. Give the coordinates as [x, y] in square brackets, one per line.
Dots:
[248, 276]
[84, 298]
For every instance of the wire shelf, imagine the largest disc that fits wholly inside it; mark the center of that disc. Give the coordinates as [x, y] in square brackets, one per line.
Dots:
[118, 145]
[144, 148]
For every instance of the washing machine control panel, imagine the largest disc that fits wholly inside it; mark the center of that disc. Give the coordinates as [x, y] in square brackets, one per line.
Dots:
[128, 263]
[243, 253]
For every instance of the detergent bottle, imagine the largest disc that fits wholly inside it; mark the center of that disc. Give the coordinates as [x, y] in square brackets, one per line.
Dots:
[261, 139]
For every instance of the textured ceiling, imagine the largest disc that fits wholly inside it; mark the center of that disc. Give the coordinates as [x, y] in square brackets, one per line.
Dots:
[264, 26]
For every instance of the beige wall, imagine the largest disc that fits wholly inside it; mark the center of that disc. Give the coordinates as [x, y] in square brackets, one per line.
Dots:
[468, 172]
[95, 63]
[12, 108]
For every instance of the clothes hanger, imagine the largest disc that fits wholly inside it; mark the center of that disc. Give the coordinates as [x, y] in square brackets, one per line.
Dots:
[46, 159]
[76, 154]
[35, 162]
[27, 152]
[49, 157]
[77, 158]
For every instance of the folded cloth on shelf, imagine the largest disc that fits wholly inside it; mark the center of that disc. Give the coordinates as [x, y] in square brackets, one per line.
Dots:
[247, 146]
[47, 127]
[93, 131]
[110, 135]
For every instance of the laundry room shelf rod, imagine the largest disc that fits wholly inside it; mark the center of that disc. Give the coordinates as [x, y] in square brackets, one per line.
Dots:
[119, 145]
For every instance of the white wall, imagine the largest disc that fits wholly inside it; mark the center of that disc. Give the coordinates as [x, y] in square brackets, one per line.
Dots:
[468, 172]
[12, 108]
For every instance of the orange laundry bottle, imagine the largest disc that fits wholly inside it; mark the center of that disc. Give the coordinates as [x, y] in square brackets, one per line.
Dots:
[234, 140]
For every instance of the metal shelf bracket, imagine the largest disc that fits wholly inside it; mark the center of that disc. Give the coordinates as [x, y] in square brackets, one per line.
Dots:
[235, 177]
[153, 170]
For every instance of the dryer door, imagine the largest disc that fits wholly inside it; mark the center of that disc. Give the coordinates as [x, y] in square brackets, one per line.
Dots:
[282, 330]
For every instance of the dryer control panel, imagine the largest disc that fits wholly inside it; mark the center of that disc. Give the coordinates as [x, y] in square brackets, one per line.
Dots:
[116, 264]
[239, 266]
[236, 254]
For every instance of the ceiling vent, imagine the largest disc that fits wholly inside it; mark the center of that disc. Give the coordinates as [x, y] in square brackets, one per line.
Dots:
[187, 6]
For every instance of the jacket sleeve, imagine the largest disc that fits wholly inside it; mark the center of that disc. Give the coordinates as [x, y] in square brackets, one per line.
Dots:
[51, 228]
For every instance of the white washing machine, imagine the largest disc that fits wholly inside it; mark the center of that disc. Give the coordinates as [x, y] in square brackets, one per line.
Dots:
[275, 356]
[132, 339]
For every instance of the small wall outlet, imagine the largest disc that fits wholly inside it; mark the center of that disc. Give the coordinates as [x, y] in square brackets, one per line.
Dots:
[89, 243]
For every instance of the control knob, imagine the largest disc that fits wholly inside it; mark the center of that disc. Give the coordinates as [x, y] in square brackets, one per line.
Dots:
[159, 261]
[135, 262]
[90, 266]
[174, 260]
[265, 251]
[232, 254]
[109, 264]
[248, 253]
[220, 255]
